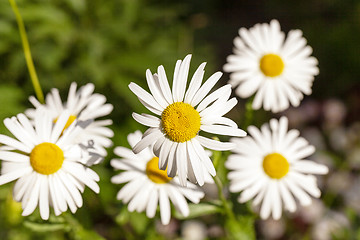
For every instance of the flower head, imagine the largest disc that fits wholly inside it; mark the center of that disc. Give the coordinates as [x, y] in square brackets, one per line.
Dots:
[182, 115]
[147, 186]
[269, 166]
[47, 164]
[83, 106]
[279, 71]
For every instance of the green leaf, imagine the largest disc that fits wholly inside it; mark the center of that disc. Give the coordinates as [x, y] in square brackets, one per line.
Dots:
[198, 210]
[45, 227]
[242, 228]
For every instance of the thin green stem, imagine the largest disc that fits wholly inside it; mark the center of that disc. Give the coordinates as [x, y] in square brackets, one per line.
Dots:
[227, 208]
[249, 113]
[27, 52]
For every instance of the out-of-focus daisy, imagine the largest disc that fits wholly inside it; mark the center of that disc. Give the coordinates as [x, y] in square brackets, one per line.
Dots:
[148, 185]
[85, 106]
[269, 166]
[278, 70]
[48, 166]
[183, 114]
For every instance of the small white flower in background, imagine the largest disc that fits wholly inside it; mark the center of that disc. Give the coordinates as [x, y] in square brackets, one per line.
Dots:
[147, 185]
[183, 114]
[270, 166]
[193, 230]
[279, 70]
[47, 164]
[333, 225]
[85, 106]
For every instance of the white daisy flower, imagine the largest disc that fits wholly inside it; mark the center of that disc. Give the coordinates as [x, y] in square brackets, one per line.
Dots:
[147, 185]
[85, 106]
[269, 166]
[46, 163]
[279, 71]
[178, 144]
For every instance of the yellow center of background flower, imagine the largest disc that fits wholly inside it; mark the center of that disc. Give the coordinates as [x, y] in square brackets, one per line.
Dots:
[180, 121]
[271, 65]
[154, 173]
[46, 158]
[275, 165]
[68, 123]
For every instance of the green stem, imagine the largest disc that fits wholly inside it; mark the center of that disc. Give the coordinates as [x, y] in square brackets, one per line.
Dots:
[227, 208]
[249, 113]
[27, 52]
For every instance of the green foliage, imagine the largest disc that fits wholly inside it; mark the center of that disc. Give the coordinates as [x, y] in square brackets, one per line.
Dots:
[200, 210]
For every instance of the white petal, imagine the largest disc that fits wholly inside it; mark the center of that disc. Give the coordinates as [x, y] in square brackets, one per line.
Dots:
[124, 177]
[44, 199]
[309, 167]
[32, 202]
[146, 120]
[172, 167]
[223, 130]
[164, 153]
[164, 85]
[213, 96]
[304, 198]
[180, 80]
[56, 192]
[203, 156]
[147, 141]
[266, 207]
[195, 163]
[13, 157]
[8, 141]
[164, 207]
[157, 146]
[155, 91]
[214, 144]
[152, 204]
[11, 176]
[218, 120]
[178, 200]
[22, 184]
[59, 126]
[139, 199]
[130, 189]
[288, 199]
[195, 83]
[78, 171]
[205, 88]
[144, 96]
[74, 192]
[181, 162]
[276, 202]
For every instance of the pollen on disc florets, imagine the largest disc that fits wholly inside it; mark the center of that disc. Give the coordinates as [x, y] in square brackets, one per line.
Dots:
[154, 173]
[271, 65]
[46, 158]
[180, 121]
[275, 165]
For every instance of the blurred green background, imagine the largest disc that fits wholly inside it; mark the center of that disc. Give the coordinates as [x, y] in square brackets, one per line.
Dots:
[112, 43]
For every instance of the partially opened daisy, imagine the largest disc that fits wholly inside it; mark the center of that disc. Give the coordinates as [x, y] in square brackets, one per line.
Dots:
[85, 106]
[279, 70]
[182, 114]
[47, 164]
[271, 166]
[147, 186]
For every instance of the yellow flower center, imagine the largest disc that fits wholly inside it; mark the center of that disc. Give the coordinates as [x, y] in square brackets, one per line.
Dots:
[46, 158]
[154, 173]
[71, 119]
[180, 121]
[275, 165]
[271, 65]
